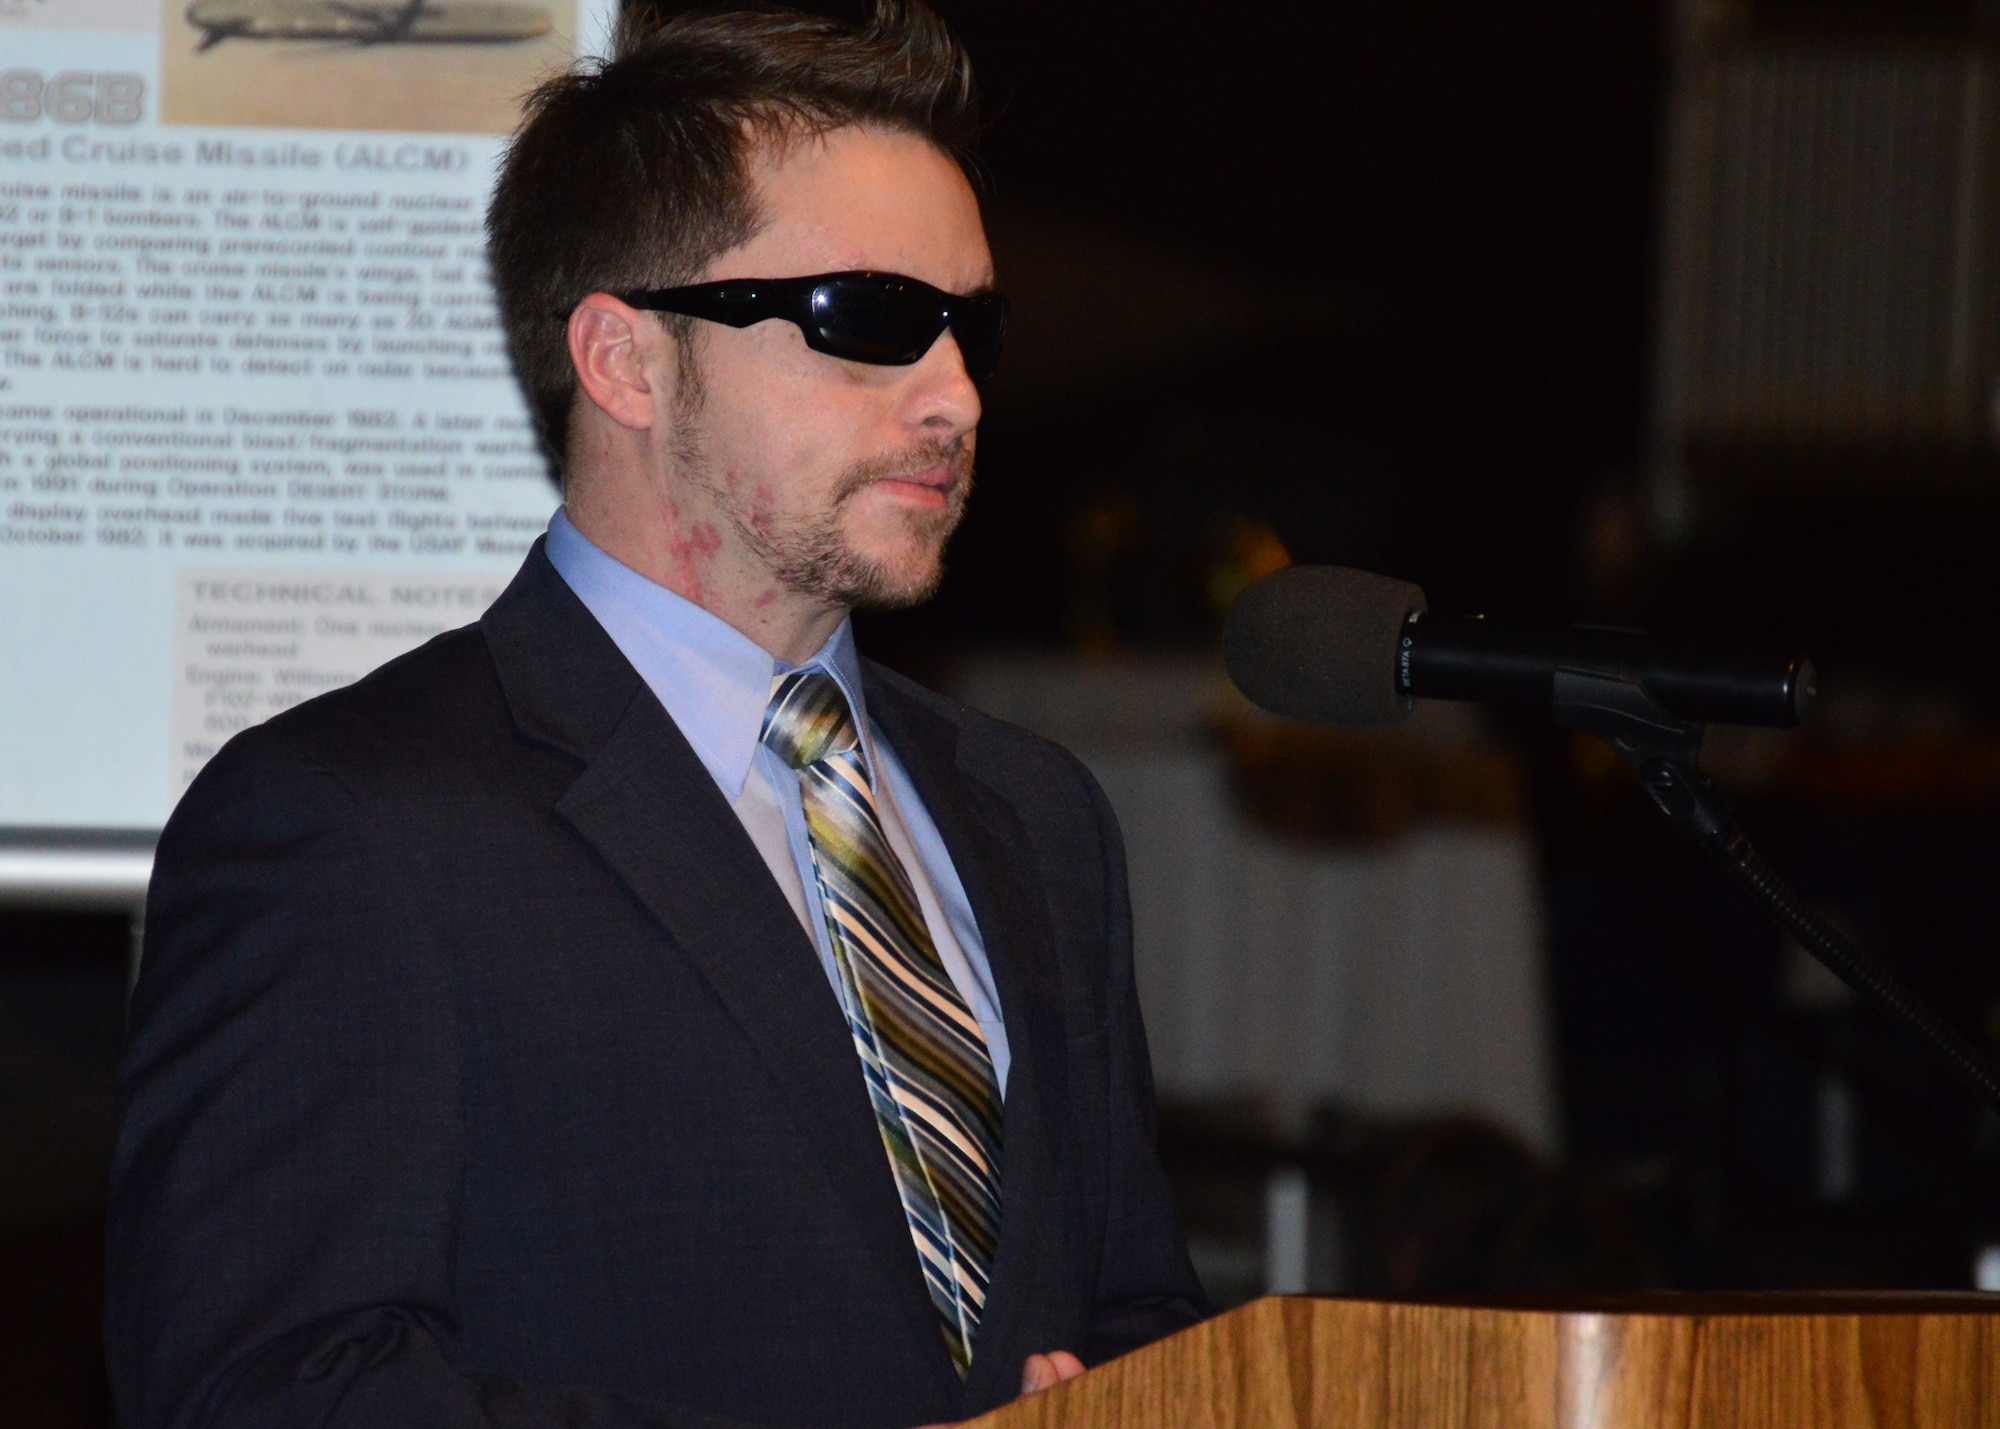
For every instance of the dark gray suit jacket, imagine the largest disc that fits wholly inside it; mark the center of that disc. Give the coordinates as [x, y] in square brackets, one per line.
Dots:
[480, 1074]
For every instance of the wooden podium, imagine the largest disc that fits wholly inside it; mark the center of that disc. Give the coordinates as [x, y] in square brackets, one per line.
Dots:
[1901, 1361]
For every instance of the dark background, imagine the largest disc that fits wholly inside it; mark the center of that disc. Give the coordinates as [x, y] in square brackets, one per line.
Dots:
[1453, 200]
[1377, 280]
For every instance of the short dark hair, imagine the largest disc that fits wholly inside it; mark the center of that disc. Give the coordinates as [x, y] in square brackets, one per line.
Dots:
[633, 172]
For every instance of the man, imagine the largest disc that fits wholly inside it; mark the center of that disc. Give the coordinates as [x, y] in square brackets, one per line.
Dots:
[636, 1009]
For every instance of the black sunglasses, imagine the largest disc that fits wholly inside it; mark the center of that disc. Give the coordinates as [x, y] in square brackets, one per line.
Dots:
[883, 318]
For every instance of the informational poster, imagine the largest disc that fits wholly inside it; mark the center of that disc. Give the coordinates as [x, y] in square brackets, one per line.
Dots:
[258, 431]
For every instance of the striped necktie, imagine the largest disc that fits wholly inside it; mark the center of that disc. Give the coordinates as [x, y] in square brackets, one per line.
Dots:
[923, 1057]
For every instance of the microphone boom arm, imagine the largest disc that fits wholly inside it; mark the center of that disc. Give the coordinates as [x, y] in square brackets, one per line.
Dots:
[1665, 753]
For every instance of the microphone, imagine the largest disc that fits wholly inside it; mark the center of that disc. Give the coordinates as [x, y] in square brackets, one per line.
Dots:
[1334, 646]
[1329, 645]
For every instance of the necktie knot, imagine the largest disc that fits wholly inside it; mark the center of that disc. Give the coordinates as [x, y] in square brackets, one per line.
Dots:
[808, 718]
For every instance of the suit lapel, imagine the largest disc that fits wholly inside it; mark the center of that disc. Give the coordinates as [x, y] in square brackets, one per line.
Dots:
[992, 856]
[647, 805]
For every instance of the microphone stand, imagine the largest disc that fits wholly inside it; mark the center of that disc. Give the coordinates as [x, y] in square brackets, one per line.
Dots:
[1665, 752]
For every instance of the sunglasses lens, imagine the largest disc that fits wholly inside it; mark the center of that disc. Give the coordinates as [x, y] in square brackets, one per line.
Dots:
[978, 325]
[876, 320]
[892, 321]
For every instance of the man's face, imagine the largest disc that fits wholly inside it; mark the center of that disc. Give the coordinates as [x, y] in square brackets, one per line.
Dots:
[836, 480]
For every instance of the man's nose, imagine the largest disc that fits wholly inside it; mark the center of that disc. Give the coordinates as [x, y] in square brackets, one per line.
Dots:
[944, 397]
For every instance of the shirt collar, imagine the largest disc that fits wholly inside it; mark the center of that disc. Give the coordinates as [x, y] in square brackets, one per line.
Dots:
[714, 680]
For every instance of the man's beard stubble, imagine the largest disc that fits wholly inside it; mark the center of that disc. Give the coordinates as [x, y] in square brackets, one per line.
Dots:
[813, 557]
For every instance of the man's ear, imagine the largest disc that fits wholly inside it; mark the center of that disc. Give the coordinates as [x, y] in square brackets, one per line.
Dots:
[617, 356]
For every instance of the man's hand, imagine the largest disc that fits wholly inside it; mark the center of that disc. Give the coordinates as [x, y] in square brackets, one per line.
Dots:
[1041, 1371]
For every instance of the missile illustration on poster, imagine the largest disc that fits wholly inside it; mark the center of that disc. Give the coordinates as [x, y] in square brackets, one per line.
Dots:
[414, 22]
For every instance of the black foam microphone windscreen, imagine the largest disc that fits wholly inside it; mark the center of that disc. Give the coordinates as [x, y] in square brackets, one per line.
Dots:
[1318, 643]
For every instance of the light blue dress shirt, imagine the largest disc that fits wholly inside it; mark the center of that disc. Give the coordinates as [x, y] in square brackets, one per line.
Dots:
[715, 683]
